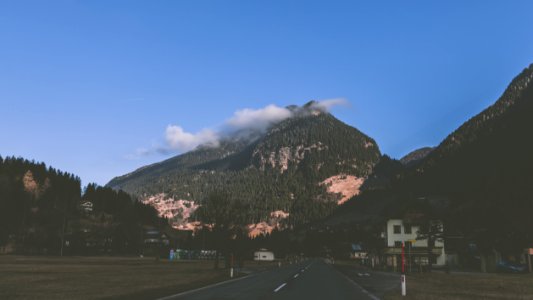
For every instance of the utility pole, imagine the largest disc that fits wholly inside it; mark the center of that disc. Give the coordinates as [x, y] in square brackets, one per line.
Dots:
[63, 228]
[203, 237]
[63, 233]
[411, 242]
[529, 252]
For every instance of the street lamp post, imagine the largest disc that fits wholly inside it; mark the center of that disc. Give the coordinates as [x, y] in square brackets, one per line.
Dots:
[409, 249]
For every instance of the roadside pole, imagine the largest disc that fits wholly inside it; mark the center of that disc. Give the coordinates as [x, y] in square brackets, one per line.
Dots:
[529, 253]
[404, 288]
[231, 267]
[411, 242]
[529, 262]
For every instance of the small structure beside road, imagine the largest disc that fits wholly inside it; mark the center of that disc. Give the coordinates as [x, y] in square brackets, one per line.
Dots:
[263, 255]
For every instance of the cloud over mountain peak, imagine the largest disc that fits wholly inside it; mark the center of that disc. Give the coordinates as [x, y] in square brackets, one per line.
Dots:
[178, 140]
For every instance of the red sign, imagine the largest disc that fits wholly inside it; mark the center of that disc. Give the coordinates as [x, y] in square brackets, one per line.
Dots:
[403, 258]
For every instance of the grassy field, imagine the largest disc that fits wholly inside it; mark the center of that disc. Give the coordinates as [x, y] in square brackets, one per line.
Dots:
[36, 277]
[437, 286]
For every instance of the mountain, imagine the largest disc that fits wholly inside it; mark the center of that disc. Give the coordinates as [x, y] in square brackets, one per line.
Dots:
[300, 167]
[416, 156]
[494, 142]
[485, 168]
[479, 179]
[508, 119]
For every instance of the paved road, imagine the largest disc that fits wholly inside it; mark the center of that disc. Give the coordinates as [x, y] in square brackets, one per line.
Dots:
[375, 282]
[307, 280]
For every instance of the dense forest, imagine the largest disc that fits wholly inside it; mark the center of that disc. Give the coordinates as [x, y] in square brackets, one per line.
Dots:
[41, 211]
[479, 180]
[279, 169]
[484, 168]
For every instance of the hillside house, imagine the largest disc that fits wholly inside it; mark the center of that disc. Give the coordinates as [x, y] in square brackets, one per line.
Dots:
[86, 207]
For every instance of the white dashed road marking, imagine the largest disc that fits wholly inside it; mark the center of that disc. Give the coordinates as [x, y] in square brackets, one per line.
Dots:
[280, 287]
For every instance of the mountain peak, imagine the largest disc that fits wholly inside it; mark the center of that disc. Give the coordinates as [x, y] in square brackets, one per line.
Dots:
[280, 170]
[310, 104]
[292, 107]
[416, 156]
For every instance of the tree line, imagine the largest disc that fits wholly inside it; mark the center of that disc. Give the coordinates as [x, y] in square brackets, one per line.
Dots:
[40, 212]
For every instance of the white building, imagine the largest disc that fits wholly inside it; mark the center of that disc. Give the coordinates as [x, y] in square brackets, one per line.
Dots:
[264, 254]
[399, 231]
[86, 206]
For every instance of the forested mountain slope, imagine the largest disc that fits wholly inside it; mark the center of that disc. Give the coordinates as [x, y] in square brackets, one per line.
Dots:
[284, 168]
[479, 179]
[41, 209]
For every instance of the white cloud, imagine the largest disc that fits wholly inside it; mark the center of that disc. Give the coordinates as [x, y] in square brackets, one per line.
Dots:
[180, 140]
[326, 105]
[258, 119]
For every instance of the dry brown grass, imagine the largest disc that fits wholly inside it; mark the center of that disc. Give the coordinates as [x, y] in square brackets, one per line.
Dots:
[23, 277]
[437, 286]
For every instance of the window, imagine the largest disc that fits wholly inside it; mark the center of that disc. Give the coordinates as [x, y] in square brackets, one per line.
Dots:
[397, 244]
[407, 228]
[433, 259]
[408, 245]
[397, 229]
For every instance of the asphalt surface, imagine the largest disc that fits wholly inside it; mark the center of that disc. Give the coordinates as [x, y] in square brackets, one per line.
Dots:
[313, 279]
[375, 282]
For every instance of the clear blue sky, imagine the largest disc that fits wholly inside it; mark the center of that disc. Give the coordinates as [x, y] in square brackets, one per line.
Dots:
[84, 84]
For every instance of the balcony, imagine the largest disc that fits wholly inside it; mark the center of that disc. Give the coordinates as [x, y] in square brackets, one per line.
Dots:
[413, 251]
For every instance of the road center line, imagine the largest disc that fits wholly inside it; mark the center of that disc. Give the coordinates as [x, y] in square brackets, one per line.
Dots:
[280, 287]
[296, 275]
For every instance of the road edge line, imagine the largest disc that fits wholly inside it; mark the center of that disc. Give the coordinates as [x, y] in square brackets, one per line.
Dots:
[205, 287]
[369, 294]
